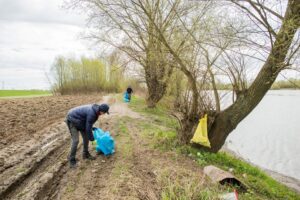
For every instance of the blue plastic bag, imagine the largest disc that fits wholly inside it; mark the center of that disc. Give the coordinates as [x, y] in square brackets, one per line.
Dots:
[126, 97]
[105, 143]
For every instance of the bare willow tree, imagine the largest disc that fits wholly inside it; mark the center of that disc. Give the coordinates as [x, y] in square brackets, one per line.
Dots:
[124, 25]
[195, 58]
[280, 48]
[59, 67]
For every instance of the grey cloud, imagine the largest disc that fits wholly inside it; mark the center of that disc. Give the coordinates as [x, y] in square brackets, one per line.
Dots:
[41, 11]
[32, 34]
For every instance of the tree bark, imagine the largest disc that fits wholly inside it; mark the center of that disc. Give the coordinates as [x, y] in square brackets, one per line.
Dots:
[157, 69]
[187, 130]
[156, 90]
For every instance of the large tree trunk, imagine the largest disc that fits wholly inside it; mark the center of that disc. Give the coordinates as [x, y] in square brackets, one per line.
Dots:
[157, 79]
[157, 69]
[227, 120]
[188, 127]
[156, 90]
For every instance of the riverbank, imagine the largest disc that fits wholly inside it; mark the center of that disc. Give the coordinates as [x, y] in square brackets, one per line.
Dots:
[268, 137]
[290, 182]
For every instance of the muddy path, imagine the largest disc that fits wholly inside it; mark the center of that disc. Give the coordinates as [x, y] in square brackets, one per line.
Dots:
[37, 167]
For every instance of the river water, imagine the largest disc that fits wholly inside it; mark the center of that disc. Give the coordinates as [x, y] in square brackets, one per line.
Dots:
[270, 135]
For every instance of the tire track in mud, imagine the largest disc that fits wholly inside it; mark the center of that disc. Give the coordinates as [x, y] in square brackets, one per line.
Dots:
[33, 167]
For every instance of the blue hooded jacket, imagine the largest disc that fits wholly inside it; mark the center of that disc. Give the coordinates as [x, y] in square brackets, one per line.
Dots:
[83, 117]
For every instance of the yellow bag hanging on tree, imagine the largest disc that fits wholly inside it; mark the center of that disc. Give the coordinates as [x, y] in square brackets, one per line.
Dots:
[201, 136]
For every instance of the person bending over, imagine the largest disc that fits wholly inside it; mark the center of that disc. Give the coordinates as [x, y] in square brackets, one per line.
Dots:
[81, 119]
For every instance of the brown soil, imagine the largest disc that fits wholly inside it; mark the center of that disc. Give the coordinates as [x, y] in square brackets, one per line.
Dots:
[35, 143]
[23, 118]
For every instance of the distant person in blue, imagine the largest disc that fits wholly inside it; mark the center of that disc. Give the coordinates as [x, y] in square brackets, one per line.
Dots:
[81, 119]
[129, 91]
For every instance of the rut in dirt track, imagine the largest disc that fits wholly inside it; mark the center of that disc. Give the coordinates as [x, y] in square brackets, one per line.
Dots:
[30, 166]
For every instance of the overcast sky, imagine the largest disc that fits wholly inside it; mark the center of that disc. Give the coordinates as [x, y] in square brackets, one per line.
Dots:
[32, 34]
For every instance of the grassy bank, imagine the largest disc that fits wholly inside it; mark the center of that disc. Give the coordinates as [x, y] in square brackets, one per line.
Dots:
[160, 128]
[24, 93]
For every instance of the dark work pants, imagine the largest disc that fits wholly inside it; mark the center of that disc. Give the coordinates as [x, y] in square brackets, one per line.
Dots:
[75, 140]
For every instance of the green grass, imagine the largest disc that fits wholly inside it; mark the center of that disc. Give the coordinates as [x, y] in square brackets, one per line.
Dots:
[261, 186]
[24, 93]
[178, 189]
[162, 139]
[159, 115]
[122, 167]
[160, 128]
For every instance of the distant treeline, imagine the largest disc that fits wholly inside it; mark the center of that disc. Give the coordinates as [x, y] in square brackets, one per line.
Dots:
[86, 75]
[286, 84]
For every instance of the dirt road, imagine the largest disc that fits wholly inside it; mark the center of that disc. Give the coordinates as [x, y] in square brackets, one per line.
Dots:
[33, 158]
